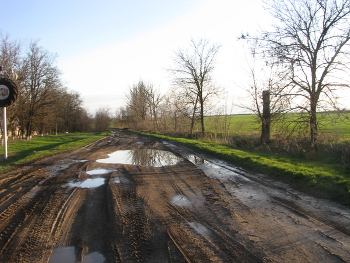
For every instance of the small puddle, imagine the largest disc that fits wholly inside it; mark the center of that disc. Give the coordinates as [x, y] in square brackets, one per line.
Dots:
[197, 160]
[67, 255]
[33, 192]
[100, 171]
[88, 183]
[180, 200]
[61, 165]
[63, 254]
[70, 161]
[145, 157]
[199, 228]
[94, 258]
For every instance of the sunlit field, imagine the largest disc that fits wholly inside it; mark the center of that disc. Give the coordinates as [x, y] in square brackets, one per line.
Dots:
[331, 124]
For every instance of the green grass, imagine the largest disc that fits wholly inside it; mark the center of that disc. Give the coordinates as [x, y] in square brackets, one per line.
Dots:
[24, 151]
[330, 123]
[324, 180]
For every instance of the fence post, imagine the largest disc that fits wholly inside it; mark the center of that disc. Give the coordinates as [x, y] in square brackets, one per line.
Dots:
[266, 118]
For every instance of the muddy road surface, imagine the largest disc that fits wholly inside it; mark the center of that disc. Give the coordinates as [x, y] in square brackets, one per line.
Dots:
[130, 198]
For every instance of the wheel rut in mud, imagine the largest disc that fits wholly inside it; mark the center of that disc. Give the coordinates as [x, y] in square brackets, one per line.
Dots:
[133, 198]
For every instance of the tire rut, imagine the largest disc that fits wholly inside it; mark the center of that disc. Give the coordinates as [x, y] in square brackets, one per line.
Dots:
[308, 214]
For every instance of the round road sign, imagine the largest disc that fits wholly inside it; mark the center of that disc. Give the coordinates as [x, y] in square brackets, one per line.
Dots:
[8, 92]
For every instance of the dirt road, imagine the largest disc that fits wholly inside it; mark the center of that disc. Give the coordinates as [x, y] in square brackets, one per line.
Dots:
[129, 198]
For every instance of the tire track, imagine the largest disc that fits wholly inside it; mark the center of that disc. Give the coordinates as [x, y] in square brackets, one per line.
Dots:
[308, 214]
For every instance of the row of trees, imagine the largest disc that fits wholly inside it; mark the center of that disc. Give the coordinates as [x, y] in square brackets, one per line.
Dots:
[186, 104]
[44, 105]
[304, 58]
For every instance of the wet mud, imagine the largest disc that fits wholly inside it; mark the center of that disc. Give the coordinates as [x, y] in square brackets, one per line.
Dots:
[132, 198]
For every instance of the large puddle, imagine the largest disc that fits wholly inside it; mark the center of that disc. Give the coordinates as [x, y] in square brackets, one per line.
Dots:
[145, 157]
[67, 255]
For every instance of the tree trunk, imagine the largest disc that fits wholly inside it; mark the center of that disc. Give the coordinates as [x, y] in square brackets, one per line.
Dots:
[266, 118]
[313, 125]
[193, 116]
[202, 113]
[29, 130]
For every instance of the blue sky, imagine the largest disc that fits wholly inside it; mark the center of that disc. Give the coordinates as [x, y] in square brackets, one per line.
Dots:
[106, 46]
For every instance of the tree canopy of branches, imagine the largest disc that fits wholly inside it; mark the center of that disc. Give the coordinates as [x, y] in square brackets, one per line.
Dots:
[267, 91]
[192, 74]
[143, 102]
[310, 39]
[102, 119]
[40, 80]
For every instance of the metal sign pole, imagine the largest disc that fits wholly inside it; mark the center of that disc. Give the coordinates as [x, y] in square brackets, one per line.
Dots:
[5, 132]
[4, 136]
[8, 94]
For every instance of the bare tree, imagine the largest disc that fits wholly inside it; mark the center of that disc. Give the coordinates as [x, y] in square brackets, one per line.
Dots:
[192, 71]
[39, 79]
[268, 97]
[102, 119]
[43, 105]
[154, 100]
[68, 111]
[10, 52]
[310, 38]
[137, 102]
[143, 102]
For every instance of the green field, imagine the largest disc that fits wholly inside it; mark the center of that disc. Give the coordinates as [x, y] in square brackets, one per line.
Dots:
[329, 124]
[23, 151]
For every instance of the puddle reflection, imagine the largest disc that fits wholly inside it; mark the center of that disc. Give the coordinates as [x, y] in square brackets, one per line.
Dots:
[145, 157]
[180, 200]
[199, 228]
[100, 171]
[197, 160]
[88, 183]
[67, 255]
[63, 254]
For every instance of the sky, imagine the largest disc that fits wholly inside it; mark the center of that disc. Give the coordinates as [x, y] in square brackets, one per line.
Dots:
[106, 46]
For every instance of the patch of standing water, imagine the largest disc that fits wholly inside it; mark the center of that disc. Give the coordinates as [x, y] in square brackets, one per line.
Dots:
[216, 169]
[67, 255]
[88, 183]
[94, 258]
[99, 171]
[63, 254]
[180, 200]
[145, 157]
[199, 228]
[197, 160]
[33, 192]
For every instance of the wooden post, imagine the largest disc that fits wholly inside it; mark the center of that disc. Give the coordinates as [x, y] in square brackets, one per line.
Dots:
[266, 118]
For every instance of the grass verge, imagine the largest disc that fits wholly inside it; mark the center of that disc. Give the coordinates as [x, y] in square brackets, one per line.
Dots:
[321, 179]
[24, 151]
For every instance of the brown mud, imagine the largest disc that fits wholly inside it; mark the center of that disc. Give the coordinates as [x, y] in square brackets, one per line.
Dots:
[130, 198]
